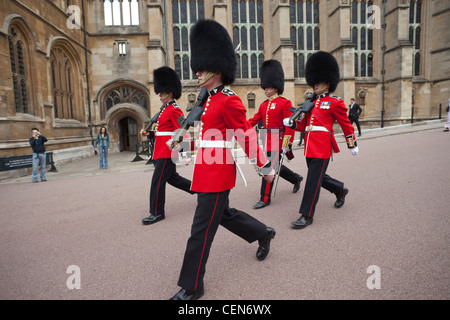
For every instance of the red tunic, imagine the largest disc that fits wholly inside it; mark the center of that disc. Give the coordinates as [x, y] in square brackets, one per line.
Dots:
[224, 117]
[272, 112]
[167, 122]
[327, 109]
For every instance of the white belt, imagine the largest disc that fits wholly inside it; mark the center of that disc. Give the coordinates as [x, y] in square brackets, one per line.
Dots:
[316, 128]
[214, 144]
[221, 144]
[163, 133]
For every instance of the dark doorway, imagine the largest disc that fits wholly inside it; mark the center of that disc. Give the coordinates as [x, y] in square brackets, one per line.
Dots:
[128, 134]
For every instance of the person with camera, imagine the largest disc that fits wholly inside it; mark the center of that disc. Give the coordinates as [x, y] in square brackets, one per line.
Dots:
[447, 124]
[37, 144]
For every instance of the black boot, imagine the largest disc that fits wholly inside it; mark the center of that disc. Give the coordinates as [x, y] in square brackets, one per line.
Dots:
[184, 294]
[297, 184]
[153, 219]
[264, 244]
[302, 223]
[340, 198]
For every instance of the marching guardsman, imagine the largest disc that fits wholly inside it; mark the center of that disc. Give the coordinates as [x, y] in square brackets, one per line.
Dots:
[168, 87]
[322, 74]
[278, 137]
[224, 119]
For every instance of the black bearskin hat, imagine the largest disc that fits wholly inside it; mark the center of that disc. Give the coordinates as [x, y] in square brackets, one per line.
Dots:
[272, 75]
[322, 67]
[212, 50]
[166, 80]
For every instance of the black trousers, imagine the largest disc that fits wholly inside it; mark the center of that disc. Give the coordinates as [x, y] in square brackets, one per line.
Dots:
[165, 172]
[316, 179]
[356, 120]
[213, 210]
[285, 173]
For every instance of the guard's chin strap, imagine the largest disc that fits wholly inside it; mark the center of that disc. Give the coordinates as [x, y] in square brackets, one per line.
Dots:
[208, 76]
[164, 96]
[322, 88]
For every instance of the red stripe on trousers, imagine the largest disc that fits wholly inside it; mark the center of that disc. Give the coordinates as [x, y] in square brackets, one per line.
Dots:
[319, 184]
[267, 192]
[159, 183]
[204, 243]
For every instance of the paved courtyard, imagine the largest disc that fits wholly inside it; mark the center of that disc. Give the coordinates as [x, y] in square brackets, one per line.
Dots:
[390, 240]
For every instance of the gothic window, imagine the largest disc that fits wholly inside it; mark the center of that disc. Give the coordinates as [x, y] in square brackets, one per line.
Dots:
[62, 84]
[125, 94]
[362, 37]
[17, 52]
[184, 15]
[121, 12]
[122, 46]
[304, 32]
[415, 8]
[248, 35]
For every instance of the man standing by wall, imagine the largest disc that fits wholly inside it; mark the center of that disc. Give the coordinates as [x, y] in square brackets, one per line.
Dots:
[354, 113]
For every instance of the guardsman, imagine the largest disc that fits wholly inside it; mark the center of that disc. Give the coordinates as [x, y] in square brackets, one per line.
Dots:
[278, 137]
[322, 74]
[168, 87]
[224, 119]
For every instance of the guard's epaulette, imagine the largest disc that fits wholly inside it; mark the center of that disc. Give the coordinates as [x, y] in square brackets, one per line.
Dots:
[228, 92]
[335, 97]
[283, 97]
[175, 105]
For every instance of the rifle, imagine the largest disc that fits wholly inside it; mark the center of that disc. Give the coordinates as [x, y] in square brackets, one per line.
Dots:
[194, 115]
[277, 176]
[304, 107]
[152, 121]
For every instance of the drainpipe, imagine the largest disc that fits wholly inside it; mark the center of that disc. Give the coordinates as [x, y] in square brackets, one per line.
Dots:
[87, 76]
[164, 43]
[383, 70]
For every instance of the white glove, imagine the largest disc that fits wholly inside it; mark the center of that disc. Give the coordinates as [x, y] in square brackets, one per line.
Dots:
[169, 145]
[285, 150]
[270, 177]
[354, 151]
[287, 122]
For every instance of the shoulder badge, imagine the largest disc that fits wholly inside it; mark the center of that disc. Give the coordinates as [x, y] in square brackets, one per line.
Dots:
[175, 105]
[335, 97]
[228, 92]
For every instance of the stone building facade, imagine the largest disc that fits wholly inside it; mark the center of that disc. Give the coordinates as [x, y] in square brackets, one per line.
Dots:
[72, 66]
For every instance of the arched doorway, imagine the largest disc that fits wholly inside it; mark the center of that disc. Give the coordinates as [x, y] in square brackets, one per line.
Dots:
[128, 134]
[124, 122]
